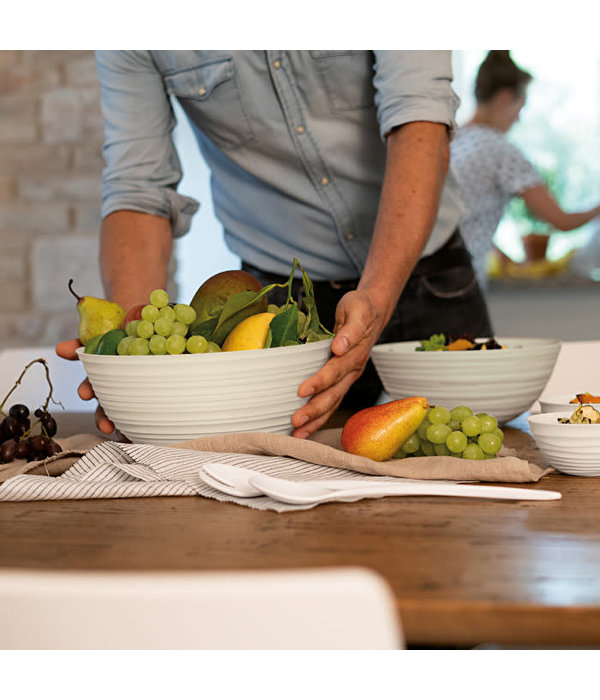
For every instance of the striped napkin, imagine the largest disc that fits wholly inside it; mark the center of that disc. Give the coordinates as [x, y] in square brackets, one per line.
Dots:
[92, 469]
[117, 470]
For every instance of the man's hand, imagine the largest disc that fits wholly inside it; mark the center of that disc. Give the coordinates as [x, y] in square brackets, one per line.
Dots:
[357, 328]
[66, 349]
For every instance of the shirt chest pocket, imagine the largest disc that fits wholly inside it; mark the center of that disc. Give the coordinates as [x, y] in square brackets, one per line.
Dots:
[211, 97]
[347, 77]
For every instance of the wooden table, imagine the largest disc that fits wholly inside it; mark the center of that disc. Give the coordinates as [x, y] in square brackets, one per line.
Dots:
[464, 572]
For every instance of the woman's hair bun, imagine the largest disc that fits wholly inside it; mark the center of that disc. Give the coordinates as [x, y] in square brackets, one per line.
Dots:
[498, 72]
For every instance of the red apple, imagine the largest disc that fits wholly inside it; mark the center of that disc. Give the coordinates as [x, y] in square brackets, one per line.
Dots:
[134, 314]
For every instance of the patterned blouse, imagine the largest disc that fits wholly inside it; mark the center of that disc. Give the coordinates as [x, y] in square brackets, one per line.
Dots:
[490, 171]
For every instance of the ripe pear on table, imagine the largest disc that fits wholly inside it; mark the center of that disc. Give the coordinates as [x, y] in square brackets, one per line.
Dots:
[96, 316]
[379, 431]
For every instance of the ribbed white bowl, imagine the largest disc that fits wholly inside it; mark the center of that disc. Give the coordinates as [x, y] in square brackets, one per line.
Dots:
[561, 402]
[164, 399]
[503, 383]
[572, 449]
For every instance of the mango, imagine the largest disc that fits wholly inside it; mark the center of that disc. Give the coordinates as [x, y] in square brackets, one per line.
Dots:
[212, 294]
[378, 432]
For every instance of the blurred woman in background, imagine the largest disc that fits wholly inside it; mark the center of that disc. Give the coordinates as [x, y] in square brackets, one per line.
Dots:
[491, 171]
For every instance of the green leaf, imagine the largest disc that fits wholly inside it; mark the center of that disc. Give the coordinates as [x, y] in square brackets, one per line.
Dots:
[315, 336]
[284, 325]
[437, 341]
[205, 328]
[268, 339]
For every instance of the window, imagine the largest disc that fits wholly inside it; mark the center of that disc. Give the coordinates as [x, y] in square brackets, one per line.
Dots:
[559, 131]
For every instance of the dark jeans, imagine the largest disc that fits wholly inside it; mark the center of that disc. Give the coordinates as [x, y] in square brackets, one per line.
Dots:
[441, 296]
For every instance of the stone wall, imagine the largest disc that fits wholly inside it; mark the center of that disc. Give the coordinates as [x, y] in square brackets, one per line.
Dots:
[51, 136]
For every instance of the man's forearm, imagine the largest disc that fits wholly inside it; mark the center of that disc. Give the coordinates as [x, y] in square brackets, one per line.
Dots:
[416, 166]
[134, 256]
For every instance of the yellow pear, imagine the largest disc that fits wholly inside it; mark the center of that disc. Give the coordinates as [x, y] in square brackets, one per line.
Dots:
[96, 316]
[378, 432]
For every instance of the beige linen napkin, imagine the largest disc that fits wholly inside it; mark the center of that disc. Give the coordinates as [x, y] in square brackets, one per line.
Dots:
[323, 449]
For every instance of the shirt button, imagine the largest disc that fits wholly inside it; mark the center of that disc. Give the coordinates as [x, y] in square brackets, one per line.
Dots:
[277, 64]
[300, 129]
[202, 91]
[349, 236]
[324, 181]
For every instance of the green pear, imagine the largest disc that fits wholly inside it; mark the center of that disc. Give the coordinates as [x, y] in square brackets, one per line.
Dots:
[96, 316]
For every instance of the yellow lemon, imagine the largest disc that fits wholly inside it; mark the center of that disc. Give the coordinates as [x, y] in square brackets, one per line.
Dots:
[249, 334]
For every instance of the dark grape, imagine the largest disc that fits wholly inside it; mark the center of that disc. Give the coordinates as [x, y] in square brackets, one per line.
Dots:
[7, 451]
[10, 427]
[19, 410]
[38, 412]
[49, 424]
[38, 443]
[53, 448]
[23, 425]
[23, 449]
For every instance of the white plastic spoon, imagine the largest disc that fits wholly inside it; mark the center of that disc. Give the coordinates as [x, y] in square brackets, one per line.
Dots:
[305, 492]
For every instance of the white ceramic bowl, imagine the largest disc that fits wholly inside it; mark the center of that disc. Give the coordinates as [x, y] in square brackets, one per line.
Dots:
[560, 402]
[572, 449]
[164, 399]
[503, 383]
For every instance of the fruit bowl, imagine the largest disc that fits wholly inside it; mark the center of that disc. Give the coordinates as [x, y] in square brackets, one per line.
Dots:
[572, 449]
[503, 383]
[165, 399]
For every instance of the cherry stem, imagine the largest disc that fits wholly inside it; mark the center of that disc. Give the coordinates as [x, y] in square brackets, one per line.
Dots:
[42, 361]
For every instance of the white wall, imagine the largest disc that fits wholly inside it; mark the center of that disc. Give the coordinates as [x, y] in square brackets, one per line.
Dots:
[201, 253]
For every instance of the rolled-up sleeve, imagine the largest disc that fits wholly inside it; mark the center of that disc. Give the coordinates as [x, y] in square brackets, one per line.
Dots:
[142, 167]
[414, 86]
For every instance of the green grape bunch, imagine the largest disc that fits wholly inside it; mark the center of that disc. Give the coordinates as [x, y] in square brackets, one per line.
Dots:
[163, 329]
[455, 433]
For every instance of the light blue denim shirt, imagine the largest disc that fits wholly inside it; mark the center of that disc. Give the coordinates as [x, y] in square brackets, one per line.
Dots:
[295, 141]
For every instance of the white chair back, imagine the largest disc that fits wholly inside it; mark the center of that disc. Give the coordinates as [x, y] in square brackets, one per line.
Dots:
[345, 608]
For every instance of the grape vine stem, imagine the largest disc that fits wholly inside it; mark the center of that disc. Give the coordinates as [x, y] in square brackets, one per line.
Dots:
[42, 361]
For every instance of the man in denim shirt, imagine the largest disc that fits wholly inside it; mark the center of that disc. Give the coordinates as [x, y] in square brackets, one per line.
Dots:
[338, 158]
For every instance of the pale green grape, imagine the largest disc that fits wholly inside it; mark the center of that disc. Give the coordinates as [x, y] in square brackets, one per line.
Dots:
[441, 450]
[132, 328]
[123, 346]
[163, 326]
[437, 433]
[456, 441]
[427, 448]
[213, 347]
[488, 423]
[400, 454]
[439, 414]
[159, 298]
[139, 346]
[179, 328]
[196, 344]
[499, 433]
[145, 329]
[150, 313]
[454, 424]
[185, 313]
[422, 429]
[472, 451]
[471, 426]
[167, 312]
[411, 444]
[158, 345]
[175, 344]
[459, 413]
[489, 443]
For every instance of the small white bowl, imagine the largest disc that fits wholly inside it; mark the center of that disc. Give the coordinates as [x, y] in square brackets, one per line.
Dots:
[561, 402]
[503, 383]
[164, 399]
[572, 449]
